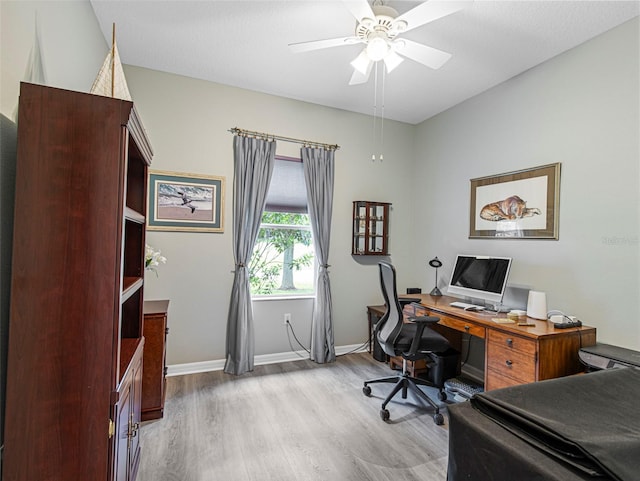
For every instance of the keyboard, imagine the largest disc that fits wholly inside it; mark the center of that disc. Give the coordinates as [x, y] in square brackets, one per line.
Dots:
[467, 307]
[463, 387]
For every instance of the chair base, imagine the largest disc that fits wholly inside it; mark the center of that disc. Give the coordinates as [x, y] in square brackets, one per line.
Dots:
[405, 383]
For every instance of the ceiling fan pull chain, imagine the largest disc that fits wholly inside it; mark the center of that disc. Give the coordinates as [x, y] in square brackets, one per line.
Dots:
[375, 108]
[384, 77]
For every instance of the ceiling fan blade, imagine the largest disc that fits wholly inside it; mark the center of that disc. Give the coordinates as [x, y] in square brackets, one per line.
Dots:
[359, 9]
[320, 44]
[362, 62]
[429, 56]
[392, 60]
[359, 77]
[429, 11]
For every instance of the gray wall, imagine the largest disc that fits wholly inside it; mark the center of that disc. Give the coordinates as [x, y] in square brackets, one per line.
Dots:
[188, 122]
[72, 46]
[580, 109]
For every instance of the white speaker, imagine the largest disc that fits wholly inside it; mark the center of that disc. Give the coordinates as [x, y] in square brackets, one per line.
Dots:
[537, 305]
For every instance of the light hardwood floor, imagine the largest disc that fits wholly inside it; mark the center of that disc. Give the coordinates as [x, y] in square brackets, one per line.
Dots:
[292, 421]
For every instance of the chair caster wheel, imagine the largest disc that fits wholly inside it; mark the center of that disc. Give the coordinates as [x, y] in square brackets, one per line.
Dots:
[384, 414]
[442, 396]
[367, 391]
[438, 419]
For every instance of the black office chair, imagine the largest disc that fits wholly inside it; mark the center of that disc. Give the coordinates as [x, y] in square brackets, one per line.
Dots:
[412, 341]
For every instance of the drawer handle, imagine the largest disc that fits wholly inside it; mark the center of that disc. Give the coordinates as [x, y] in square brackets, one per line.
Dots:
[509, 342]
[508, 362]
[466, 328]
[132, 430]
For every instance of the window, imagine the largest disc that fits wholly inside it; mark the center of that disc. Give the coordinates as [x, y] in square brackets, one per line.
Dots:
[283, 259]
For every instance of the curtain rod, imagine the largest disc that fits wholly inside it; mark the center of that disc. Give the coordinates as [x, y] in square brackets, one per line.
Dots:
[251, 133]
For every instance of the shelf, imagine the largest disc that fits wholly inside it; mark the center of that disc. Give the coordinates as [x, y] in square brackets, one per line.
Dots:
[133, 216]
[128, 348]
[129, 286]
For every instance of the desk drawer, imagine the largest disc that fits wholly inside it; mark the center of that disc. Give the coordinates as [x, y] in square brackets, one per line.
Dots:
[511, 356]
[495, 380]
[511, 342]
[461, 325]
[515, 364]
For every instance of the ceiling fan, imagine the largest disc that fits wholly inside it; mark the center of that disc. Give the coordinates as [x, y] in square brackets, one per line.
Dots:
[378, 27]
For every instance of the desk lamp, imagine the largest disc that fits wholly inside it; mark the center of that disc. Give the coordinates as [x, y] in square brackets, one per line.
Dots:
[435, 262]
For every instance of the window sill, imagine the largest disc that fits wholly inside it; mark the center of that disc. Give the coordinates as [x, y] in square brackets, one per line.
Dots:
[282, 298]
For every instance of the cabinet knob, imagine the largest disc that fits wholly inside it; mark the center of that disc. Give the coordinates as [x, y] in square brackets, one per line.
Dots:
[509, 342]
[466, 328]
[508, 362]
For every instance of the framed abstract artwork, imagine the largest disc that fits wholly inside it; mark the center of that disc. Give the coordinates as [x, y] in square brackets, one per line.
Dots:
[185, 202]
[516, 205]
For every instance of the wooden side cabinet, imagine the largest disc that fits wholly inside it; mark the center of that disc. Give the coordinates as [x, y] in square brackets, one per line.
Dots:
[155, 369]
[370, 228]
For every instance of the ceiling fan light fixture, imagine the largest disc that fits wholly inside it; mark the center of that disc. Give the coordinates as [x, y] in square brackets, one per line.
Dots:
[361, 62]
[377, 48]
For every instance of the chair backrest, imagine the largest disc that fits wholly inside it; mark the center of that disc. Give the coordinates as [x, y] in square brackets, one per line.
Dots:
[390, 323]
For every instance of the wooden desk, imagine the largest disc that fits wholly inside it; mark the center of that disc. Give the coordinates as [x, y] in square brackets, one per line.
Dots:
[513, 354]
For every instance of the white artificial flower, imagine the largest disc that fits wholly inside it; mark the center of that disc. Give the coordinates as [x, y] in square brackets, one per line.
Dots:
[153, 258]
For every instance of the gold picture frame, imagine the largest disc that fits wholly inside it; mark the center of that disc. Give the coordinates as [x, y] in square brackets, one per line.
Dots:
[185, 202]
[524, 204]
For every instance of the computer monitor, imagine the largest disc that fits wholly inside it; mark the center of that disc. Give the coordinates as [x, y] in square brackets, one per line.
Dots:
[480, 277]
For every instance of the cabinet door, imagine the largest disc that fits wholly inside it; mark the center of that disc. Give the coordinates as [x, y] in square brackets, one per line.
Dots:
[122, 435]
[135, 418]
[128, 408]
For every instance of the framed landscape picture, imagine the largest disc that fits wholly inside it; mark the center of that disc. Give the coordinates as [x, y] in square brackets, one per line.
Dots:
[516, 205]
[185, 202]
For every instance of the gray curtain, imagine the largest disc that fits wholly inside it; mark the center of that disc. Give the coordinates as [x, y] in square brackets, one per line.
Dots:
[319, 178]
[253, 166]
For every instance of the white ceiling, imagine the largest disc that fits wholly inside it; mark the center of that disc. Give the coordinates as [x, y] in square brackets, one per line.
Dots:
[244, 43]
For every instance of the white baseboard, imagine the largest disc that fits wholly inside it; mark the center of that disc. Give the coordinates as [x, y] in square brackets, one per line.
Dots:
[218, 364]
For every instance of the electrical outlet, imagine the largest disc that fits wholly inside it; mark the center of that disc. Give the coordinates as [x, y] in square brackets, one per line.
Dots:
[287, 318]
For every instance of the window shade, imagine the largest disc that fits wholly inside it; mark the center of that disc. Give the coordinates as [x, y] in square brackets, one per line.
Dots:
[287, 191]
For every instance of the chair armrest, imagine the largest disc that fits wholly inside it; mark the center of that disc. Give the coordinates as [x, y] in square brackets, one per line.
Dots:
[421, 322]
[424, 319]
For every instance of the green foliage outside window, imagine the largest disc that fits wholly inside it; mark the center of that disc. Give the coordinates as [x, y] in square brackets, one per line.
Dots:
[276, 254]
